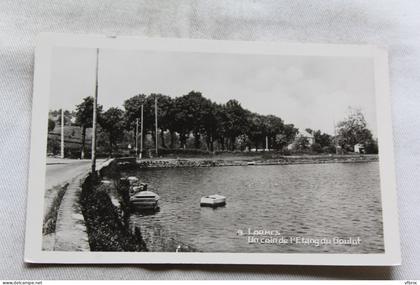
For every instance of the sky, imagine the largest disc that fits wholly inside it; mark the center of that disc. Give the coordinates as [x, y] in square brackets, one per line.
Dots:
[307, 91]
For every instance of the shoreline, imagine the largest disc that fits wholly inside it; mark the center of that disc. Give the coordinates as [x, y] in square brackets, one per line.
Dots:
[245, 161]
[100, 227]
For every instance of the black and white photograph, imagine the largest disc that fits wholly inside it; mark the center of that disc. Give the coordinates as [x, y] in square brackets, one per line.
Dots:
[189, 151]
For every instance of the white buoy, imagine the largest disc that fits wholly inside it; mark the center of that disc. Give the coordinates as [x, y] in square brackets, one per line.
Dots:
[213, 201]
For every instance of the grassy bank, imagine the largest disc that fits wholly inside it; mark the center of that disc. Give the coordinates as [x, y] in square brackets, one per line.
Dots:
[50, 218]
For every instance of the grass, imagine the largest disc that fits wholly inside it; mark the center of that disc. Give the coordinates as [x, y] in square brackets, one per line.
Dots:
[50, 219]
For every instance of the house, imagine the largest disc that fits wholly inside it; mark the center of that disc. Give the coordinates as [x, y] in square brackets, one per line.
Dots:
[302, 135]
[308, 136]
[359, 148]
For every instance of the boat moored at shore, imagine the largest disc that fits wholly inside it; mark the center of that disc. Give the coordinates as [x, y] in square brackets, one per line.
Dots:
[145, 200]
[132, 179]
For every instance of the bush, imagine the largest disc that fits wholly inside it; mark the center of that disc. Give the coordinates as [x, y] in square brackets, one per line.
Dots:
[372, 147]
[104, 224]
[53, 146]
[316, 147]
[329, 149]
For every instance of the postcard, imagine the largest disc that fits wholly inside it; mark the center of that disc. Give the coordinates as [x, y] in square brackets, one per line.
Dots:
[150, 150]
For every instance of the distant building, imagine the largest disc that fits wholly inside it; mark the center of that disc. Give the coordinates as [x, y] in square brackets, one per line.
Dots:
[308, 136]
[359, 148]
[303, 134]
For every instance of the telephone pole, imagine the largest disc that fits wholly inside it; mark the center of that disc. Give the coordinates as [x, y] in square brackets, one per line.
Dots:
[137, 136]
[266, 143]
[156, 126]
[62, 133]
[141, 132]
[95, 99]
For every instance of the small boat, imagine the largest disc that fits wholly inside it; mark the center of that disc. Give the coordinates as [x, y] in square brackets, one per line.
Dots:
[132, 179]
[213, 201]
[145, 200]
[135, 188]
[251, 163]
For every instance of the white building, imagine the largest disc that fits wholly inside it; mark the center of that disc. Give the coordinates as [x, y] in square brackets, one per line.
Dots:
[359, 148]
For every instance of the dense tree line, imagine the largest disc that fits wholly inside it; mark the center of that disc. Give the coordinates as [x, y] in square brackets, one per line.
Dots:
[211, 126]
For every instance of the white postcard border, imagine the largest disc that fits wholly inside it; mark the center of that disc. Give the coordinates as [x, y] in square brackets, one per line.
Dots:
[44, 46]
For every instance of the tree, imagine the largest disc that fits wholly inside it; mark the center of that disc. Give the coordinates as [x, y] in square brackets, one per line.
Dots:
[301, 143]
[258, 128]
[181, 119]
[193, 113]
[323, 142]
[316, 147]
[371, 147]
[323, 139]
[237, 119]
[227, 124]
[209, 124]
[220, 131]
[132, 112]
[67, 117]
[84, 117]
[51, 125]
[197, 110]
[274, 127]
[165, 115]
[112, 122]
[169, 117]
[353, 130]
[286, 137]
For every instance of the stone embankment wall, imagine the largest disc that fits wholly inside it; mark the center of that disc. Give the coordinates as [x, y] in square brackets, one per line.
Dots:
[284, 160]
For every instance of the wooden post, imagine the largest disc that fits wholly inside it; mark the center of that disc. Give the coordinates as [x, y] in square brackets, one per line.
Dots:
[95, 99]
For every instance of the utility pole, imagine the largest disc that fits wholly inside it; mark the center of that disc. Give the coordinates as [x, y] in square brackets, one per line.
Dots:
[62, 133]
[137, 136]
[335, 138]
[95, 99]
[156, 126]
[266, 143]
[141, 132]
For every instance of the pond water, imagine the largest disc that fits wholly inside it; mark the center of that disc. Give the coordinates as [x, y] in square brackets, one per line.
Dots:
[306, 201]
